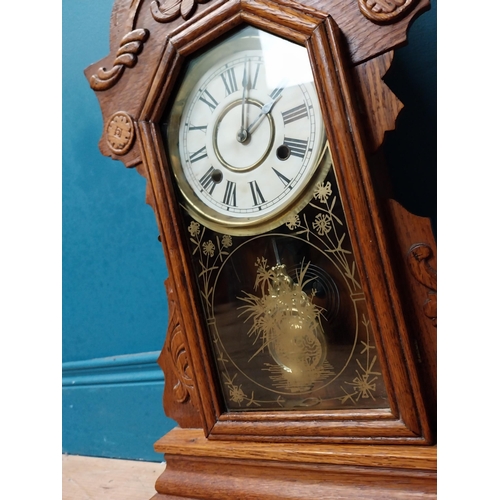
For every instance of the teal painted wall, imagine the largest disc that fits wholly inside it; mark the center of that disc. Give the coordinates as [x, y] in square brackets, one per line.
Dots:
[113, 265]
[114, 304]
[114, 301]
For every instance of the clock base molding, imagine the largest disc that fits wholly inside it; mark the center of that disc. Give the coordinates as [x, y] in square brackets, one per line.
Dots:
[199, 468]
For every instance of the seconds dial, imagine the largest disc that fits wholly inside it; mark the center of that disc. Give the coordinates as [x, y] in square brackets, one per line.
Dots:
[248, 132]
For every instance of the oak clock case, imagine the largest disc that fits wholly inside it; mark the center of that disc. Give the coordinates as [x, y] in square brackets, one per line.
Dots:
[284, 311]
[300, 351]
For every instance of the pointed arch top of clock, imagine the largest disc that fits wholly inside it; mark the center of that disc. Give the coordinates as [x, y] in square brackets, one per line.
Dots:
[313, 29]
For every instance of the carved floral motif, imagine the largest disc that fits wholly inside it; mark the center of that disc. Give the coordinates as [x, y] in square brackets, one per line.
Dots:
[126, 56]
[385, 11]
[172, 9]
[418, 259]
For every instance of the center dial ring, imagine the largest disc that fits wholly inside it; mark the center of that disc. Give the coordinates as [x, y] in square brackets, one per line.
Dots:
[251, 153]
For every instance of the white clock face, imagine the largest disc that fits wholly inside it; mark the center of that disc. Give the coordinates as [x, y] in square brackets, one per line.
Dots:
[247, 131]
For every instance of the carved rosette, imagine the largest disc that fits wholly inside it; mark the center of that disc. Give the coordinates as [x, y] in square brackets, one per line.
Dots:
[120, 133]
[385, 11]
[170, 10]
[418, 260]
[126, 56]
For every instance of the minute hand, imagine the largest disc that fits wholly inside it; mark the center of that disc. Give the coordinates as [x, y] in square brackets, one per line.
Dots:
[263, 111]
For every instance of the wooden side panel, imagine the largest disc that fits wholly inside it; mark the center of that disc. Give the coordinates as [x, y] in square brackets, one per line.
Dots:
[415, 257]
[379, 107]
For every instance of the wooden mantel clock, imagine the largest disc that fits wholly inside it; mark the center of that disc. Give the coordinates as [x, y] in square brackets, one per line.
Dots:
[300, 358]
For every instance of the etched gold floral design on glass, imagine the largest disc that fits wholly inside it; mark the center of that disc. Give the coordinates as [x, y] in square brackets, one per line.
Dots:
[286, 313]
[287, 323]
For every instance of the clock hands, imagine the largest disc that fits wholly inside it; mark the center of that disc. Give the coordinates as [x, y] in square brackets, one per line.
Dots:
[242, 134]
[266, 109]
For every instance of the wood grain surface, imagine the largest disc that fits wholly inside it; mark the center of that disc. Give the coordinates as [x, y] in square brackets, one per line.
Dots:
[200, 468]
[192, 442]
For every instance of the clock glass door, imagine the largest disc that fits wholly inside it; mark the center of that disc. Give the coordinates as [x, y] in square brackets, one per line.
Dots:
[285, 313]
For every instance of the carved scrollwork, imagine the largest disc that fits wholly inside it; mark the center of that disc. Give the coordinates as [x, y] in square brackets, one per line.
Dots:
[175, 346]
[180, 361]
[172, 9]
[180, 394]
[418, 259]
[385, 11]
[126, 57]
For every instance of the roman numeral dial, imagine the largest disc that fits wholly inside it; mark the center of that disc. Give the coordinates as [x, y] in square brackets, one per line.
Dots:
[198, 155]
[230, 194]
[209, 180]
[296, 113]
[229, 79]
[258, 198]
[297, 147]
[245, 132]
[209, 100]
